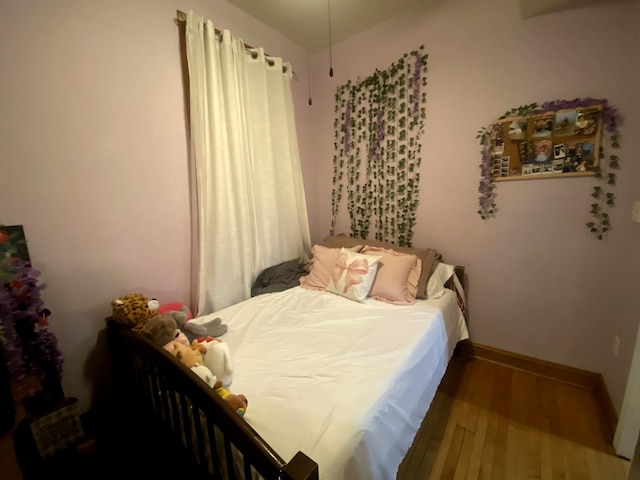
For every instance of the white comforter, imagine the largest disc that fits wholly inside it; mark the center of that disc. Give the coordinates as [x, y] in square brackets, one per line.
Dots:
[346, 383]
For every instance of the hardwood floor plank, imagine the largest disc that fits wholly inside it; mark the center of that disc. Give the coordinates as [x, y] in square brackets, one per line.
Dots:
[460, 370]
[505, 423]
[451, 462]
[486, 463]
[462, 466]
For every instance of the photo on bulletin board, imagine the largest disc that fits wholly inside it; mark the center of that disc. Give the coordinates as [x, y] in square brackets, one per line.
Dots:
[518, 129]
[558, 151]
[541, 127]
[565, 124]
[586, 122]
[558, 166]
[497, 138]
[504, 166]
[522, 153]
[542, 151]
[580, 157]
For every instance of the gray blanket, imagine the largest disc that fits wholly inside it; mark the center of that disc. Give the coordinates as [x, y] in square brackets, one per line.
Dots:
[279, 277]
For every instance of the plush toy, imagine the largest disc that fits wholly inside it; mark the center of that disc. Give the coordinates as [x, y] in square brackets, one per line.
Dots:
[163, 331]
[218, 358]
[192, 358]
[193, 330]
[133, 310]
[238, 402]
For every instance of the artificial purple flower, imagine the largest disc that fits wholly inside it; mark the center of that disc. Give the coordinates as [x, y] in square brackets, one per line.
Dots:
[29, 349]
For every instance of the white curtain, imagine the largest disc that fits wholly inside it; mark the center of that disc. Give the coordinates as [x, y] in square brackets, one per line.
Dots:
[249, 209]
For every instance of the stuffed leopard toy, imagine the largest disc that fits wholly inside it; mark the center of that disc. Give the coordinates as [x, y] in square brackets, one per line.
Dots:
[133, 310]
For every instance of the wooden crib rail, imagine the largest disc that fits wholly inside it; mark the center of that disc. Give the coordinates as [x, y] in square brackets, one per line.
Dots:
[221, 444]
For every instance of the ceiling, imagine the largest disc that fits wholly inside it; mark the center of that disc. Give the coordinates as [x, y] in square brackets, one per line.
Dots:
[306, 22]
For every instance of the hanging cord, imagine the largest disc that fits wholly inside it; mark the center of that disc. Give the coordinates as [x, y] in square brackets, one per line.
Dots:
[309, 82]
[308, 62]
[330, 43]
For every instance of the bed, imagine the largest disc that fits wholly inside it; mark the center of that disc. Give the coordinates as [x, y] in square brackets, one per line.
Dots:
[337, 388]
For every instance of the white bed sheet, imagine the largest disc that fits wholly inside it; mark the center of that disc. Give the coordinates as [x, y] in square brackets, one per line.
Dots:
[346, 383]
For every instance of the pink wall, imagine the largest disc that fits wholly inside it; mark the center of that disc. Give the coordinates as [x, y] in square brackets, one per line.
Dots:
[94, 163]
[539, 283]
[94, 154]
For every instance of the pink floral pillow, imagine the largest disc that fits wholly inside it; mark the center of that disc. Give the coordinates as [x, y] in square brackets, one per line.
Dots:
[397, 278]
[353, 275]
[321, 266]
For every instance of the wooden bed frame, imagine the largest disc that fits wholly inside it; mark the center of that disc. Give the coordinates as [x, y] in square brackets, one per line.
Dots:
[155, 388]
[158, 389]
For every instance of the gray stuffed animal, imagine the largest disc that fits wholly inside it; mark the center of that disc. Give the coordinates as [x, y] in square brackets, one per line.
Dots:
[193, 330]
[162, 330]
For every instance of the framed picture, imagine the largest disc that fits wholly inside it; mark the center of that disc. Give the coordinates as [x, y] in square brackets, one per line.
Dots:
[13, 246]
[555, 141]
[558, 151]
[13, 243]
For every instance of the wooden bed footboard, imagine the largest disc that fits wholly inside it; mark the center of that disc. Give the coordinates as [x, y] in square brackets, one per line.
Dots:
[221, 444]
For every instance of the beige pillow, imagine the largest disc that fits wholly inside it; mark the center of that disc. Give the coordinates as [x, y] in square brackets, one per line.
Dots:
[428, 256]
[438, 280]
[321, 266]
[397, 278]
[353, 275]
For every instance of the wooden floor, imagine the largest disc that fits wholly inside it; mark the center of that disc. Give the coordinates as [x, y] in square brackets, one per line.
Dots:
[490, 421]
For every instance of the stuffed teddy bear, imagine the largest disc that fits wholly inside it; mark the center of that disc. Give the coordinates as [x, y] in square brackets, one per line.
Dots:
[133, 310]
[218, 358]
[193, 330]
[163, 331]
[192, 358]
[238, 402]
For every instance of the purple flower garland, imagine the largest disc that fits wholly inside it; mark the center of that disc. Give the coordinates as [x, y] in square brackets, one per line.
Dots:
[377, 126]
[29, 348]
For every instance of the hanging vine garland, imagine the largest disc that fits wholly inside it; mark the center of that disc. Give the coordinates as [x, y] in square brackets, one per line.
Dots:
[603, 171]
[377, 127]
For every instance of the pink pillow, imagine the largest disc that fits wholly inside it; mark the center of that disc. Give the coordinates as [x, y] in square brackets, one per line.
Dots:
[322, 265]
[353, 275]
[397, 278]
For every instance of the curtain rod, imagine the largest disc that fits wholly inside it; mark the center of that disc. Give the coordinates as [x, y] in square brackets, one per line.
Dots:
[181, 17]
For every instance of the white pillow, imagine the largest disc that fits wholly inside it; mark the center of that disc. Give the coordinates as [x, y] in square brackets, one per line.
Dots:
[441, 274]
[353, 275]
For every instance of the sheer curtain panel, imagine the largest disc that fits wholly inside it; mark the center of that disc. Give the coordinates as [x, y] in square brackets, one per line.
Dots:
[249, 208]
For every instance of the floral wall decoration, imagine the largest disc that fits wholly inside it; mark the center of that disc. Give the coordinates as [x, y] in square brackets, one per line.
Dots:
[605, 123]
[376, 162]
[27, 346]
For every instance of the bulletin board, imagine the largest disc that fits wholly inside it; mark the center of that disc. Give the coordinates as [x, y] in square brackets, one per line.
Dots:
[556, 144]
